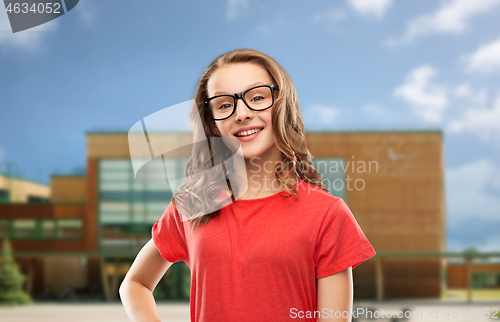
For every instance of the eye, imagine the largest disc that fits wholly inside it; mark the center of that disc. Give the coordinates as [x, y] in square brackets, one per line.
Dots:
[224, 106]
[257, 98]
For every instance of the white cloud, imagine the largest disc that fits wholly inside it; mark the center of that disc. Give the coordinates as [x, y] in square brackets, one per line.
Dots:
[482, 121]
[492, 244]
[467, 194]
[466, 93]
[374, 109]
[264, 29]
[320, 115]
[30, 40]
[463, 90]
[452, 17]
[486, 59]
[329, 18]
[375, 8]
[267, 28]
[427, 99]
[328, 15]
[87, 11]
[324, 113]
[235, 7]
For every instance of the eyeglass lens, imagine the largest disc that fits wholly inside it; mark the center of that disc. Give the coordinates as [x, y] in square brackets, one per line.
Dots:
[258, 99]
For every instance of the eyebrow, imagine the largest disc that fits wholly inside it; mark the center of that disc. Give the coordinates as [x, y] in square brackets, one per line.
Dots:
[251, 85]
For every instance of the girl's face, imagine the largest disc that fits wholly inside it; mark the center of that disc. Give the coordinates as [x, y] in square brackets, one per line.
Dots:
[235, 78]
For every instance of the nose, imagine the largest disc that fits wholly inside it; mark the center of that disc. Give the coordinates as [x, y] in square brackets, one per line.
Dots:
[242, 111]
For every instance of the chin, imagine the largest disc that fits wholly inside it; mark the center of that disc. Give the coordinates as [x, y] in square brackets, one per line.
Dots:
[255, 153]
[247, 155]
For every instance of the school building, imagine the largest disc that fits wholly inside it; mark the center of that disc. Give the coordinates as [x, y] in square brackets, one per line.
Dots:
[87, 236]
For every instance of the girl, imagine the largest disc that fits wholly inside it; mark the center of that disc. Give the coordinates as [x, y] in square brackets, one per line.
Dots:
[282, 247]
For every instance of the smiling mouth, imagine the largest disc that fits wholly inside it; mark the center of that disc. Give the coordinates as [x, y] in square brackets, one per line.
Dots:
[247, 133]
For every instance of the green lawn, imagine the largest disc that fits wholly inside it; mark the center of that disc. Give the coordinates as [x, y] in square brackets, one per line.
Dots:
[461, 294]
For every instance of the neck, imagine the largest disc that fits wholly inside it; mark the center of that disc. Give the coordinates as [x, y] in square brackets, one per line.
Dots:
[261, 177]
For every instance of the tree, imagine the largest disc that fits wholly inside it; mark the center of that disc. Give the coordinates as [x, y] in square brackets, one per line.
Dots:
[471, 250]
[11, 279]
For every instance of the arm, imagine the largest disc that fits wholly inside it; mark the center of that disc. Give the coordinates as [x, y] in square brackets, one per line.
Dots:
[335, 293]
[136, 290]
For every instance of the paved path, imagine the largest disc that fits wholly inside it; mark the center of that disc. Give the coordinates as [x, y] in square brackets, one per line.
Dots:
[422, 311]
[112, 312]
[429, 311]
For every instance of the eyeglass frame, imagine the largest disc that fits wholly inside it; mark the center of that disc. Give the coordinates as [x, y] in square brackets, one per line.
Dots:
[237, 96]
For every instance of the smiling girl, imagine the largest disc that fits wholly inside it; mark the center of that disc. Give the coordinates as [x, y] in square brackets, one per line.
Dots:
[281, 250]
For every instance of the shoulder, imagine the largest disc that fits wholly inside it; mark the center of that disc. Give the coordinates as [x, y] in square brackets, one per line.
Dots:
[314, 195]
[330, 206]
[173, 215]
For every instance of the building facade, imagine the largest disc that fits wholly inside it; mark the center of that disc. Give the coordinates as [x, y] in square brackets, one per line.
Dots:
[393, 181]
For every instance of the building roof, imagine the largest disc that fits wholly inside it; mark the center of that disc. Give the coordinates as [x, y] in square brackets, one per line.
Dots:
[358, 130]
[23, 179]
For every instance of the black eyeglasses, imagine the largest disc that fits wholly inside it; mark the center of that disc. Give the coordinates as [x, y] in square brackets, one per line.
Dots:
[257, 98]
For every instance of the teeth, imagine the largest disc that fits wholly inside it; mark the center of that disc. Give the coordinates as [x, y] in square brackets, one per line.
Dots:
[245, 133]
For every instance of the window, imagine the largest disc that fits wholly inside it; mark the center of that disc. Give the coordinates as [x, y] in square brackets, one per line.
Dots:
[48, 228]
[483, 280]
[4, 228]
[332, 171]
[24, 228]
[69, 228]
[36, 199]
[127, 207]
[4, 195]
[36, 229]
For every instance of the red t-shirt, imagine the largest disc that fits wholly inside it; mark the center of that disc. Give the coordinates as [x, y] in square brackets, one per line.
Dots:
[258, 260]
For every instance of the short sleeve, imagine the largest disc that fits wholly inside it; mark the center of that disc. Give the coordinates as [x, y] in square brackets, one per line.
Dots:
[341, 243]
[169, 236]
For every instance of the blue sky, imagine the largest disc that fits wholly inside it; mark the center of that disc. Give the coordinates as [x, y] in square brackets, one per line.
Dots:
[356, 64]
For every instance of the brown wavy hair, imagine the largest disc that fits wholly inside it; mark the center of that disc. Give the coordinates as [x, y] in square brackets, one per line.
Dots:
[289, 135]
